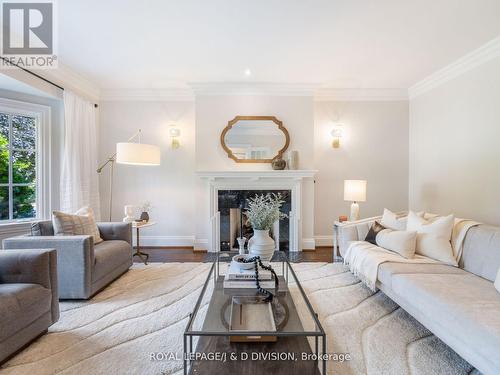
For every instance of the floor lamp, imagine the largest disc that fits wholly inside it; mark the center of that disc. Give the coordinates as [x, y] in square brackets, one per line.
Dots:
[133, 154]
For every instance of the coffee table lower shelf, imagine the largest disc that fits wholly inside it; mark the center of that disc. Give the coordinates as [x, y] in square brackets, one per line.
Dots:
[221, 344]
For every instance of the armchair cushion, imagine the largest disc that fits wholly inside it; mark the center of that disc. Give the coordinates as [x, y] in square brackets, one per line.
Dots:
[20, 305]
[116, 231]
[109, 255]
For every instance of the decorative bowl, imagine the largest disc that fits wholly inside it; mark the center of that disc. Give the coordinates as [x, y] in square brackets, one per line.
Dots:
[243, 266]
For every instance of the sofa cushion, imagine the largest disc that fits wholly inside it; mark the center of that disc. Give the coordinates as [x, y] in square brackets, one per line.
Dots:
[81, 223]
[463, 309]
[372, 233]
[433, 237]
[400, 241]
[388, 269]
[20, 305]
[108, 255]
[481, 251]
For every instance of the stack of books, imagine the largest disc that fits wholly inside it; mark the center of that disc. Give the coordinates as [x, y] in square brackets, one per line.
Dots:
[237, 278]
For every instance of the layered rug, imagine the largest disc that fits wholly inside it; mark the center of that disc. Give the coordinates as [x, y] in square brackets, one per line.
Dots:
[145, 312]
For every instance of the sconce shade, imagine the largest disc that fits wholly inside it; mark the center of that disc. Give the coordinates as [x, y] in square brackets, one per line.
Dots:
[137, 154]
[355, 190]
[174, 132]
[336, 133]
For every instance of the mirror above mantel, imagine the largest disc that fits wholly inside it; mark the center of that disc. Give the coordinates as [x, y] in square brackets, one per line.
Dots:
[255, 139]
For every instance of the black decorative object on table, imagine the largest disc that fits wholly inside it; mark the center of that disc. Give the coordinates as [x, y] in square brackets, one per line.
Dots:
[256, 260]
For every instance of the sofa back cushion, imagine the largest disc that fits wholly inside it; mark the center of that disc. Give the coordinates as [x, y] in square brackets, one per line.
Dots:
[481, 251]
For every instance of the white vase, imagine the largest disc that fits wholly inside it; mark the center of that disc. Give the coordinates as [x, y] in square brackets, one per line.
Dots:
[261, 244]
[292, 160]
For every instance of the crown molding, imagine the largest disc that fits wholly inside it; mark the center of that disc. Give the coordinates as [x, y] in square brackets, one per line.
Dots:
[483, 54]
[173, 94]
[257, 88]
[253, 88]
[69, 79]
[338, 95]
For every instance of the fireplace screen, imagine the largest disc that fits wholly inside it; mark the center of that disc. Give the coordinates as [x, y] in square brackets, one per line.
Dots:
[233, 221]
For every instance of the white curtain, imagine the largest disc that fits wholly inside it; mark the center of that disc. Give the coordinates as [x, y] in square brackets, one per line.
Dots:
[79, 180]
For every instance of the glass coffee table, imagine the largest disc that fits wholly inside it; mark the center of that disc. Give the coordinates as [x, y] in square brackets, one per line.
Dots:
[298, 339]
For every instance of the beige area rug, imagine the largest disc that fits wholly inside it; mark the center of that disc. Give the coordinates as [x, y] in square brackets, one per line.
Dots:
[146, 310]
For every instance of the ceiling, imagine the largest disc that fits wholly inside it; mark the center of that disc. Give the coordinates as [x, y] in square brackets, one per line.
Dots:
[159, 44]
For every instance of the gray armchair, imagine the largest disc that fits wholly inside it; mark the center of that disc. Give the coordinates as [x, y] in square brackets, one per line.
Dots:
[83, 268]
[29, 303]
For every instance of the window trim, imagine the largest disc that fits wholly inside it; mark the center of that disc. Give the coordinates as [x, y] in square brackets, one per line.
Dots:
[42, 114]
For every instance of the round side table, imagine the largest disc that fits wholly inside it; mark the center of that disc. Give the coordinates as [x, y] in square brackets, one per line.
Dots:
[138, 226]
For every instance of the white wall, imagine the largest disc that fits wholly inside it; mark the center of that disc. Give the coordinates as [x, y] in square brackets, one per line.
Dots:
[454, 146]
[374, 148]
[213, 113]
[169, 187]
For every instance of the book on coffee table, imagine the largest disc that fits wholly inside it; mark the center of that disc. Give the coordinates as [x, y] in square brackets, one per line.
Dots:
[234, 272]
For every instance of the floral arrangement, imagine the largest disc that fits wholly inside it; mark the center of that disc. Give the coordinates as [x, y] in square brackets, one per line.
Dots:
[264, 210]
[146, 206]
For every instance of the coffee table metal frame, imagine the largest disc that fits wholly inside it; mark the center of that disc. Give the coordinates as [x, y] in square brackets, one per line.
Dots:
[286, 271]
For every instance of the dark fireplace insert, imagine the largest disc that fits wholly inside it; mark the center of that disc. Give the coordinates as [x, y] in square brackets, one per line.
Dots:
[233, 221]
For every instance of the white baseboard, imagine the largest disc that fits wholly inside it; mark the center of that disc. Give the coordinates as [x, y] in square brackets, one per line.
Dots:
[201, 244]
[181, 241]
[324, 240]
[308, 244]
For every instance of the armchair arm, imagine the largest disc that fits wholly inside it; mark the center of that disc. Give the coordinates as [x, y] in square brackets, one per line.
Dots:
[116, 231]
[75, 258]
[32, 266]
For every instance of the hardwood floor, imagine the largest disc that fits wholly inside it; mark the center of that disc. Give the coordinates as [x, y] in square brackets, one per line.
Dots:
[166, 255]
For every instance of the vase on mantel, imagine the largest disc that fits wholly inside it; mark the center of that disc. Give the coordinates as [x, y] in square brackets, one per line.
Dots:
[261, 244]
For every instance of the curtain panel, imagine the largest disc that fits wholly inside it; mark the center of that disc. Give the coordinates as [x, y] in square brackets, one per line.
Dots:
[79, 179]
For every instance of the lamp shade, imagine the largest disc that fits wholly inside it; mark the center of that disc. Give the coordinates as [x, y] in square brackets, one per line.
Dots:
[355, 190]
[137, 154]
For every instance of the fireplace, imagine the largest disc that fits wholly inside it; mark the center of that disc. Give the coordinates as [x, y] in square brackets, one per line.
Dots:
[214, 229]
[233, 221]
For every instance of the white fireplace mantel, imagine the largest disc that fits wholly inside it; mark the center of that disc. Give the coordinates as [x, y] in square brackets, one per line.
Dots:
[292, 180]
[257, 175]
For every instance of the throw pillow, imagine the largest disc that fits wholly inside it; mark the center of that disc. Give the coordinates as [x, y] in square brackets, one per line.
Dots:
[400, 241]
[390, 220]
[372, 233]
[81, 223]
[433, 237]
[497, 281]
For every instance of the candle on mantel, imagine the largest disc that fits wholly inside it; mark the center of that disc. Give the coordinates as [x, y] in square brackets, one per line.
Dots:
[241, 220]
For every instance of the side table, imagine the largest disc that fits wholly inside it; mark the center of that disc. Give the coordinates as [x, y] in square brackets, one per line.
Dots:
[336, 240]
[138, 226]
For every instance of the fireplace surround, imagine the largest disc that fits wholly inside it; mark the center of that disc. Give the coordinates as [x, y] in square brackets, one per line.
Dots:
[298, 184]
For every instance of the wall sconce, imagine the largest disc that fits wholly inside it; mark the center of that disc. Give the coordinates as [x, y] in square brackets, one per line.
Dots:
[337, 133]
[174, 133]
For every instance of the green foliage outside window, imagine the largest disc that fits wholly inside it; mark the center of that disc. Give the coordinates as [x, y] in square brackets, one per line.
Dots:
[22, 178]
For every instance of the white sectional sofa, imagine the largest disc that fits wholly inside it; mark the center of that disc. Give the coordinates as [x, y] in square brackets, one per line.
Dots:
[460, 305]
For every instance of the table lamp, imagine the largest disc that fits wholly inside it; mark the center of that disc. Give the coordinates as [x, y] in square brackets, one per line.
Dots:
[354, 191]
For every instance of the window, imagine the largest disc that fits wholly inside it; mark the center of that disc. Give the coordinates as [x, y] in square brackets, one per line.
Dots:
[22, 180]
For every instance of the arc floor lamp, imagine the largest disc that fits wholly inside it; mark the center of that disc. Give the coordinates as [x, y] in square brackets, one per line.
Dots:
[132, 153]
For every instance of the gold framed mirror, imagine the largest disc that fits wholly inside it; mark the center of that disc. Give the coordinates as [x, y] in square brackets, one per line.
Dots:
[255, 139]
